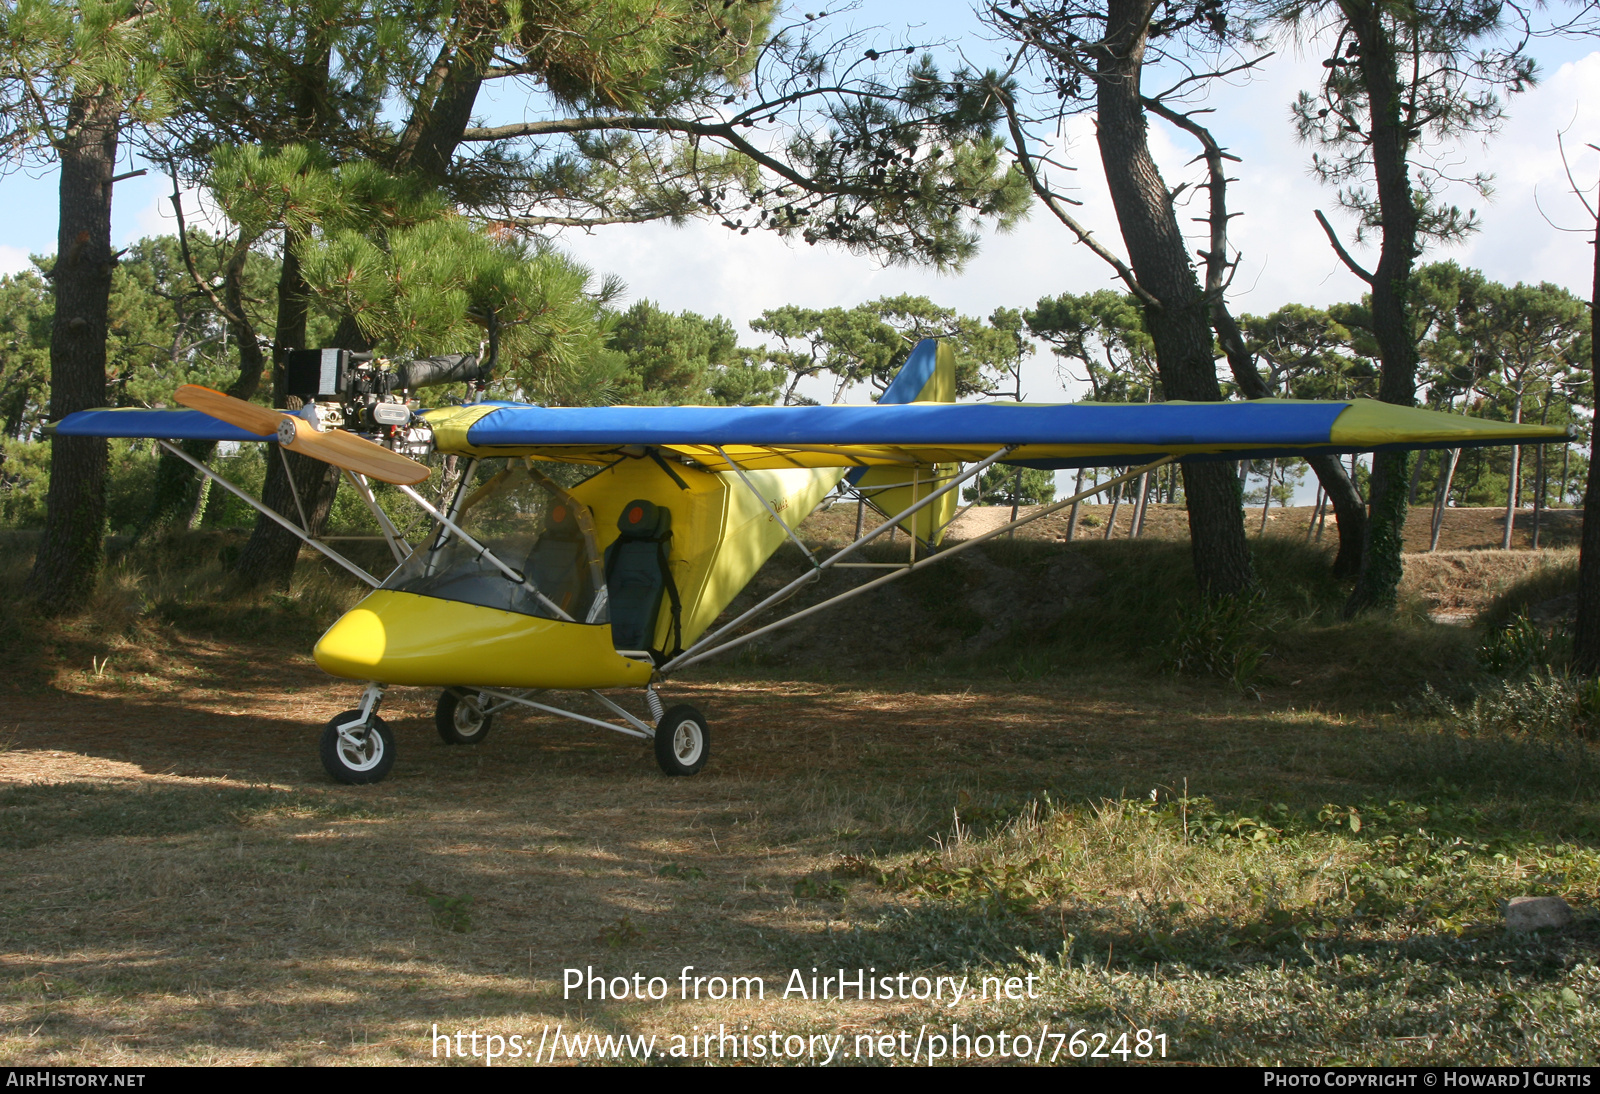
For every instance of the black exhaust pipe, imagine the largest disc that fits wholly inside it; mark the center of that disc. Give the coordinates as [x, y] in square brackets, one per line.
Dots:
[457, 368]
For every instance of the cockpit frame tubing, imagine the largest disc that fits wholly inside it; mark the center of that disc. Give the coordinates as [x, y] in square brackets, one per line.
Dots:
[484, 552]
[259, 507]
[685, 660]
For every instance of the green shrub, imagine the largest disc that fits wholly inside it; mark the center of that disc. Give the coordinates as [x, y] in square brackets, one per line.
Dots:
[1522, 646]
[1541, 704]
[24, 481]
[1220, 637]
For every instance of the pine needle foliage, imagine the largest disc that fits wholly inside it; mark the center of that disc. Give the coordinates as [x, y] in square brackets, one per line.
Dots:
[429, 288]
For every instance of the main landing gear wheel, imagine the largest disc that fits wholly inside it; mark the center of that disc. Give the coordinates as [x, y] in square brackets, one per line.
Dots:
[682, 741]
[359, 755]
[460, 719]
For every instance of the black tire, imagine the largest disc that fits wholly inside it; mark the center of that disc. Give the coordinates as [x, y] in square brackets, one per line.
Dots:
[369, 763]
[683, 743]
[458, 718]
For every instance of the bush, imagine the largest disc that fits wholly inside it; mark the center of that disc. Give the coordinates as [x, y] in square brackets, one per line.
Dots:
[1219, 637]
[24, 481]
[1521, 646]
[1556, 576]
[1543, 704]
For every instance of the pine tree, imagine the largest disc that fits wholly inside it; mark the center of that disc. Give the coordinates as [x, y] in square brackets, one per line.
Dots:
[73, 75]
[1085, 52]
[1399, 74]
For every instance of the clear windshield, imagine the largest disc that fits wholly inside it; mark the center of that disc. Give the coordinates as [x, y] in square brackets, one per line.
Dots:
[533, 528]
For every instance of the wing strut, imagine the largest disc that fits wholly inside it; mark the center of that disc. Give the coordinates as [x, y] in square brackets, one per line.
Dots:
[260, 508]
[692, 654]
[699, 652]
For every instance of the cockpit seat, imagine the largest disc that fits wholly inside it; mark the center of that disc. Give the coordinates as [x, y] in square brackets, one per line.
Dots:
[637, 574]
[557, 565]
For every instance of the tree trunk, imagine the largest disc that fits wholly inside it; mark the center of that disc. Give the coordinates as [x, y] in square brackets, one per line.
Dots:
[1347, 504]
[1316, 509]
[1512, 482]
[1348, 510]
[1159, 255]
[1444, 499]
[1266, 500]
[1378, 583]
[1538, 475]
[1416, 480]
[172, 501]
[200, 498]
[70, 551]
[269, 555]
[1586, 631]
[434, 130]
[1072, 514]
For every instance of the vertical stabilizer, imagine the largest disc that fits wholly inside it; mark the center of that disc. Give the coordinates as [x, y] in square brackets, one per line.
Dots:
[928, 376]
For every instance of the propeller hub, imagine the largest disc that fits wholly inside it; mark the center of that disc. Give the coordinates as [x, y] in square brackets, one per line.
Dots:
[287, 431]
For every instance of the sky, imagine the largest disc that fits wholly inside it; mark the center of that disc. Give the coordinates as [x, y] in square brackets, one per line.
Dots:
[1284, 256]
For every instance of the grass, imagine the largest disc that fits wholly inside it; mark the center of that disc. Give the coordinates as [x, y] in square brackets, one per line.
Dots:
[1556, 576]
[1361, 932]
[40, 815]
[1306, 870]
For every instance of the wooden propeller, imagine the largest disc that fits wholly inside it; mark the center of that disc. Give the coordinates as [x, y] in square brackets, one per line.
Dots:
[341, 449]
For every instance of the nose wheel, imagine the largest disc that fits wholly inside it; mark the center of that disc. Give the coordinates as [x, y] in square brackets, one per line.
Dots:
[683, 743]
[357, 751]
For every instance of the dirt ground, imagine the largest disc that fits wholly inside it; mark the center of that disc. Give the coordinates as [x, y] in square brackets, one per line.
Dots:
[216, 899]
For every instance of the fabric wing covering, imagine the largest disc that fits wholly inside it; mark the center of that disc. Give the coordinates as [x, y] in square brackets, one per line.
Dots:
[1062, 435]
[167, 425]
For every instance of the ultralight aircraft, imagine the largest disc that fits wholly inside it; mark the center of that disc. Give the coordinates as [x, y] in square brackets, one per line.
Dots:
[524, 586]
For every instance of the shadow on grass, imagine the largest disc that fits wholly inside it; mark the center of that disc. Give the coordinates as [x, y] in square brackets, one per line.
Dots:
[43, 815]
[967, 936]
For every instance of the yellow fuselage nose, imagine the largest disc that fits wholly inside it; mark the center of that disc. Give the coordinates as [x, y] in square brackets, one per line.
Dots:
[403, 638]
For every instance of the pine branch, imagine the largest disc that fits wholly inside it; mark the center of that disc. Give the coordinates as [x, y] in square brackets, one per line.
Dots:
[1052, 202]
[1344, 255]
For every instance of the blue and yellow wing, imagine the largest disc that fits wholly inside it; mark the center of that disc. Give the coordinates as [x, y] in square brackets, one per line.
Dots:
[1062, 435]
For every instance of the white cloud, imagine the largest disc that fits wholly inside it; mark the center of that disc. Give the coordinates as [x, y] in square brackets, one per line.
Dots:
[13, 260]
[156, 216]
[1285, 256]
